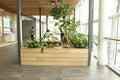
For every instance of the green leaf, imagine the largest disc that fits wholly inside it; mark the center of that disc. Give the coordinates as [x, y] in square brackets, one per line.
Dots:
[33, 44]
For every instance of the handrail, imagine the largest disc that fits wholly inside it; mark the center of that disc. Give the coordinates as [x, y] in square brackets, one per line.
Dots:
[115, 39]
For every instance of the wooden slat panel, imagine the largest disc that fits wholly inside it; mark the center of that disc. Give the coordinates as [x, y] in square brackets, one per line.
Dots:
[33, 6]
[39, 59]
[51, 56]
[54, 55]
[56, 63]
[28, 59]
[51, 50]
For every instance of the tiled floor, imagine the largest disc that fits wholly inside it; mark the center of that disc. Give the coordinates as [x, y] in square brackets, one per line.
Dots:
[10, 70]
[2, 44]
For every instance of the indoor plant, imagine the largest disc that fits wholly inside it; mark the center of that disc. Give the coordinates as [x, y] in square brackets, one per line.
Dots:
[33, 44]
[79, 40]
[66, 24]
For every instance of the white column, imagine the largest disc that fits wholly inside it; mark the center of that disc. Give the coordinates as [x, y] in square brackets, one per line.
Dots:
[103, 19]
[37, 29]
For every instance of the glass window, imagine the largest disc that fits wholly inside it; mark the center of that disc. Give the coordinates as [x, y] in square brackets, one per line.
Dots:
[7, 25]
[84, 11]
[1, 32]
[118, 29]
[114, 46]
[96, 9]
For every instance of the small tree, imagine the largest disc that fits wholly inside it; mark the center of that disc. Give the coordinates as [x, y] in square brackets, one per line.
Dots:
[65, 24]
[61, 11]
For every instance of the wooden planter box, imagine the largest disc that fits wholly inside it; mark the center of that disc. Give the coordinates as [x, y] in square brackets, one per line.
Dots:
[52, 56]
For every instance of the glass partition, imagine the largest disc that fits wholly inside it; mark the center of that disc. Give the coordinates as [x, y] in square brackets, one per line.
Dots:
[113, 51]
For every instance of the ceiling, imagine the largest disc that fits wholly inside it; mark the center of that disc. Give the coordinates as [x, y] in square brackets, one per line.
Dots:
[31, 7]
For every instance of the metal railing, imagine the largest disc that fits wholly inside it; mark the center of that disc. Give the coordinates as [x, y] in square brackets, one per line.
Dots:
[113, 51]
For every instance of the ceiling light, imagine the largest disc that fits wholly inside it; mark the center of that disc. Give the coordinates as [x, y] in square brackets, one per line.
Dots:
[53, 2]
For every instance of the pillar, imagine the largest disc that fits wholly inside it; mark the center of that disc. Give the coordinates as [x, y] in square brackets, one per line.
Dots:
[46, 22]
[19, 29]
[40, 23]
[103, 18]
[90, 29]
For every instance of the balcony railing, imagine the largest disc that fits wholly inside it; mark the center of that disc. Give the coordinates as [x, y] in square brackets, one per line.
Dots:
[113, 51]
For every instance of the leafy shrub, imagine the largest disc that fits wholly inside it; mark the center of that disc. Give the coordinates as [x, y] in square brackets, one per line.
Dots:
[33, 44]
[79, 40]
